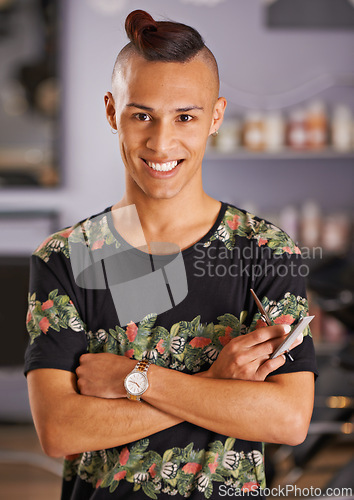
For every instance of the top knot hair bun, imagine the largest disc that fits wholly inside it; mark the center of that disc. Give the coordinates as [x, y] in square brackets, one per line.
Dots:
[137, 24]
[162, 40]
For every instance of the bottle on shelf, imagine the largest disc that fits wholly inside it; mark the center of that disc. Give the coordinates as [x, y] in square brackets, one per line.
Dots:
[228, 139]
[296, 130]
[274, 131]
[336, 233]
[304, 128]
[342, 127]
[317, 125]
[289, 221]
[254, 131]
[311, 222]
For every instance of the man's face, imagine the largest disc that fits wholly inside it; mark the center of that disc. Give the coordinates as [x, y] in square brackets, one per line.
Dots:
[164, 113]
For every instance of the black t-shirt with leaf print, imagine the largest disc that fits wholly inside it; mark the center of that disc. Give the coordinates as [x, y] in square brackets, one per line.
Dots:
[69, 316]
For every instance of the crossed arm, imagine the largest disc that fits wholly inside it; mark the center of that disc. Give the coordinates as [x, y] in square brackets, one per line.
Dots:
[234, 397]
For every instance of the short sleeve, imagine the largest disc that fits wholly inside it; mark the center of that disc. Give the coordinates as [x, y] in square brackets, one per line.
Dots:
[57, 333]
[281, 287]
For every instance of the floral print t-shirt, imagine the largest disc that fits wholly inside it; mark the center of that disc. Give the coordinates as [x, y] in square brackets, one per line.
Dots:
[69, 316]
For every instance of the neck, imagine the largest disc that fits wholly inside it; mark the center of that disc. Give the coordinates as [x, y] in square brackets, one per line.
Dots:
[180, 219]
[158, 214]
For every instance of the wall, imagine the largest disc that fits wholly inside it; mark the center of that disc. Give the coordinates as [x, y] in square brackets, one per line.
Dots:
[256, 64]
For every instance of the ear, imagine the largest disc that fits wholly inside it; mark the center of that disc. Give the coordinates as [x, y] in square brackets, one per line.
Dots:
[110, 110]
[218, 114]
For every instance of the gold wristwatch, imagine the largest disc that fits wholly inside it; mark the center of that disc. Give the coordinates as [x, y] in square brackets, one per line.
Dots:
[136, 382]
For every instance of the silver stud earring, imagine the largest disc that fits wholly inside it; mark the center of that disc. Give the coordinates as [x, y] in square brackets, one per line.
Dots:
[114, 131]
[214, 134]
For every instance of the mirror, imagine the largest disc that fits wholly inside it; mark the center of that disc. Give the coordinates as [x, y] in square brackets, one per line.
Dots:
[29, 93]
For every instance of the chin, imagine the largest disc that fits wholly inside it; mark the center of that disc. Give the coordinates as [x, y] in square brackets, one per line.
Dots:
[162, 196]
[161, 192]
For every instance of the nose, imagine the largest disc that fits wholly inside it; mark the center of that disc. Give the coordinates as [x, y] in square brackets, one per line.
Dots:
[162, 137]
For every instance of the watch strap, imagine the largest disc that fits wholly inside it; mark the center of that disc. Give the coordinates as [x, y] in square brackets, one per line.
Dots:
[132, 397]
[142, 366]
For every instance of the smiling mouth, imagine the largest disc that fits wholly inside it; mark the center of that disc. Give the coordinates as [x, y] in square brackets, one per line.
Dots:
[163, 167]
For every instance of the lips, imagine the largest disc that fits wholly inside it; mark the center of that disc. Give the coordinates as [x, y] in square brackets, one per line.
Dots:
[163, 167]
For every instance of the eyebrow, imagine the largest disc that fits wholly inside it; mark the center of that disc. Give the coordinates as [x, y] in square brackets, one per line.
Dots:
[178, 110]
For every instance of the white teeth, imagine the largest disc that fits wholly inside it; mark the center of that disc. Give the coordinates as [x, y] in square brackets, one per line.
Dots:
[163, 167]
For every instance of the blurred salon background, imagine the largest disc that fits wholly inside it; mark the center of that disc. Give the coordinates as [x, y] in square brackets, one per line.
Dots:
[285, 152]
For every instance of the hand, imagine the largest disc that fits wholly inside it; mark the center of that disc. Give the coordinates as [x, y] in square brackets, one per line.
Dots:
[248, 357]
[102, 375]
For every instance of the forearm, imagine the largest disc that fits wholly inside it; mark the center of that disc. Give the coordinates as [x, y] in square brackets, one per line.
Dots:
[72, 423]
[272, 411]
[234, 397]
[107, 423]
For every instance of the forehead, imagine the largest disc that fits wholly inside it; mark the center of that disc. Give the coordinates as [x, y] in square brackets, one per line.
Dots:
[141, 80]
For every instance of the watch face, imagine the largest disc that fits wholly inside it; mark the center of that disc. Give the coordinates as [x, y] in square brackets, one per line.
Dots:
[136, 383]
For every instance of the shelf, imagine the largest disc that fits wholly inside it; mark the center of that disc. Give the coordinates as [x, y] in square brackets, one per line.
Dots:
[283, 154]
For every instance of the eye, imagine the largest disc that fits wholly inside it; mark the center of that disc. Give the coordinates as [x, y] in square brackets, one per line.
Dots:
[142, 117]
[185, 118]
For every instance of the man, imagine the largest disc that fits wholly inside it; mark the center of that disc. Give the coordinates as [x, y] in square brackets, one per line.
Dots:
[209, 392]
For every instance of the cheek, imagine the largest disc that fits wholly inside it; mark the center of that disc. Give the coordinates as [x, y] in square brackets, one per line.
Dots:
[197, 143]
[192, 133]
[129, 141]
[126, 128]
[198, 135]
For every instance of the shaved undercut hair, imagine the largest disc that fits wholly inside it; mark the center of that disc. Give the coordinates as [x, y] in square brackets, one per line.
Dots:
[163, 41]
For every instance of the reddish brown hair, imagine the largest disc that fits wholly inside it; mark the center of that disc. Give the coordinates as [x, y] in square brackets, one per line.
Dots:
[162, 40]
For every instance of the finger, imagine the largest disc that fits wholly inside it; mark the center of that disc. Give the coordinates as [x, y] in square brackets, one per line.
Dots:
[264, 334]
[275, 343]
[247, 371]
[262, 350]
[84, 358]
[270, 366]
[296, 342]
[79, 383]
[79, 371]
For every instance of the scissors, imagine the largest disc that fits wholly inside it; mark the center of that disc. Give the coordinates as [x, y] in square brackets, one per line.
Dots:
[266, 318]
